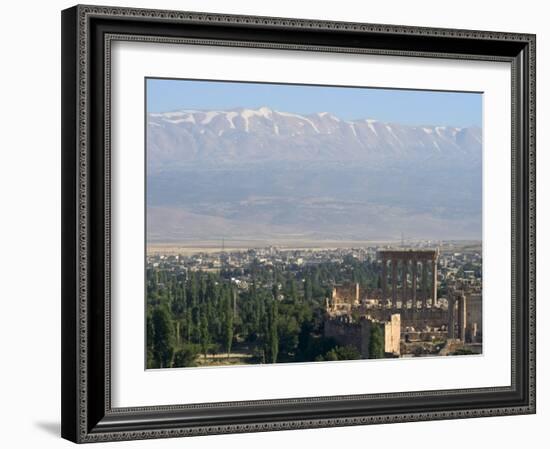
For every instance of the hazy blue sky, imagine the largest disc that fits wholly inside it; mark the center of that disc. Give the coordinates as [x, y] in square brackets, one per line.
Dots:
[413, 107]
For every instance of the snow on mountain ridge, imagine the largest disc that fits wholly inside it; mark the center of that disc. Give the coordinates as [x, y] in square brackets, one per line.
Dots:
[269, 113]
[264, 133]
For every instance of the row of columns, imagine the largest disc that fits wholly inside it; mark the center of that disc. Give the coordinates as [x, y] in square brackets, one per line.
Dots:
[417, 269]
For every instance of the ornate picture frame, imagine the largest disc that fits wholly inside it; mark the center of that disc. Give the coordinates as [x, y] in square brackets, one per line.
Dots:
[88, 33]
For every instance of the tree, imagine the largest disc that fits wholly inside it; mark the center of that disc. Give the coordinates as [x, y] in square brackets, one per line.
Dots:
[189, 323]
[304, 342]
[463, 351]
[342, 353]
[291, 288]
[376, 342]
[193, 317]
[228, 334]
[150, 339]
[279, 316]
[308, 290]
[273, 334]
[178, 306]
[204, 334]
[163, 337]
[186, 356]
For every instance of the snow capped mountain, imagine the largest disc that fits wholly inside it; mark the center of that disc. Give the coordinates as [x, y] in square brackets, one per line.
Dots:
[278, 176]
[263, 134]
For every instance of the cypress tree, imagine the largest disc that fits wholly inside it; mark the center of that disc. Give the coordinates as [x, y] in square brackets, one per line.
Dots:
[273, 334]
[163, 337]
[203, 330]
[376, 342]
[228, 320]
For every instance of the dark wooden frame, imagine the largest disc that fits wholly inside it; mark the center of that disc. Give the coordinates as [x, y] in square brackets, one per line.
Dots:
[87, 32]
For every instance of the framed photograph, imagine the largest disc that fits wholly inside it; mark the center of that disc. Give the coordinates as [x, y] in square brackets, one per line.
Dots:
[277, 223]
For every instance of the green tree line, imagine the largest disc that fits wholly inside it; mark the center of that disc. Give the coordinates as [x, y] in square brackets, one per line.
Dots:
[277, 318]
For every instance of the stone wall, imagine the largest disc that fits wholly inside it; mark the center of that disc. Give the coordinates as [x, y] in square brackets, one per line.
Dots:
[392, 335]
[346, 294]
[344, 332]
[413, 318]
[357, 334]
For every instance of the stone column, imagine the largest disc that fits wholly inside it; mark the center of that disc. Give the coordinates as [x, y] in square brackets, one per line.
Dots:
[384, 280]
[404, 271]
[462, 318]
[414, 276]
[393, 282]
[434, 282]
[451, 317]
[424, 287]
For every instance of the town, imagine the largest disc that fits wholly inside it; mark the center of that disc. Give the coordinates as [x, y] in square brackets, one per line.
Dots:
[277, 304]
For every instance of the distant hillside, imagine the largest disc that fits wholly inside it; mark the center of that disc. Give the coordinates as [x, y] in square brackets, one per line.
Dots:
[270, 174]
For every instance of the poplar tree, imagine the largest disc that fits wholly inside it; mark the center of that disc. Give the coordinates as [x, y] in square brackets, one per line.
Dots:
[273, 334]
[203, 330]
[228, 320]
[163, 337]
[308, 294]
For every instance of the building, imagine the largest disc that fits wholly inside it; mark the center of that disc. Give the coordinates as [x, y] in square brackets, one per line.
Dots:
[465, 311]
[407, 305]
[347, 332]
[344, 298]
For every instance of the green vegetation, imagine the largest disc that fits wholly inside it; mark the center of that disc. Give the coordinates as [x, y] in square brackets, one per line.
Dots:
[376, 342]
[341, 353]
[163, 337]
[463, 351]
[186, 356]
[201, 318]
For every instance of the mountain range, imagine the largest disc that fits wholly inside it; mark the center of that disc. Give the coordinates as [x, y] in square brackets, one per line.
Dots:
[262, 174]
[246, 135]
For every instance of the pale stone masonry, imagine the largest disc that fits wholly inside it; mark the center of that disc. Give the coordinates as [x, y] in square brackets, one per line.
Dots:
[346, 332]
[406, 306]
[392, 334]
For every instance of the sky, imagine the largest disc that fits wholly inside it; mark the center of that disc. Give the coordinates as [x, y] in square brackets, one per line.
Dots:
[410, 107]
